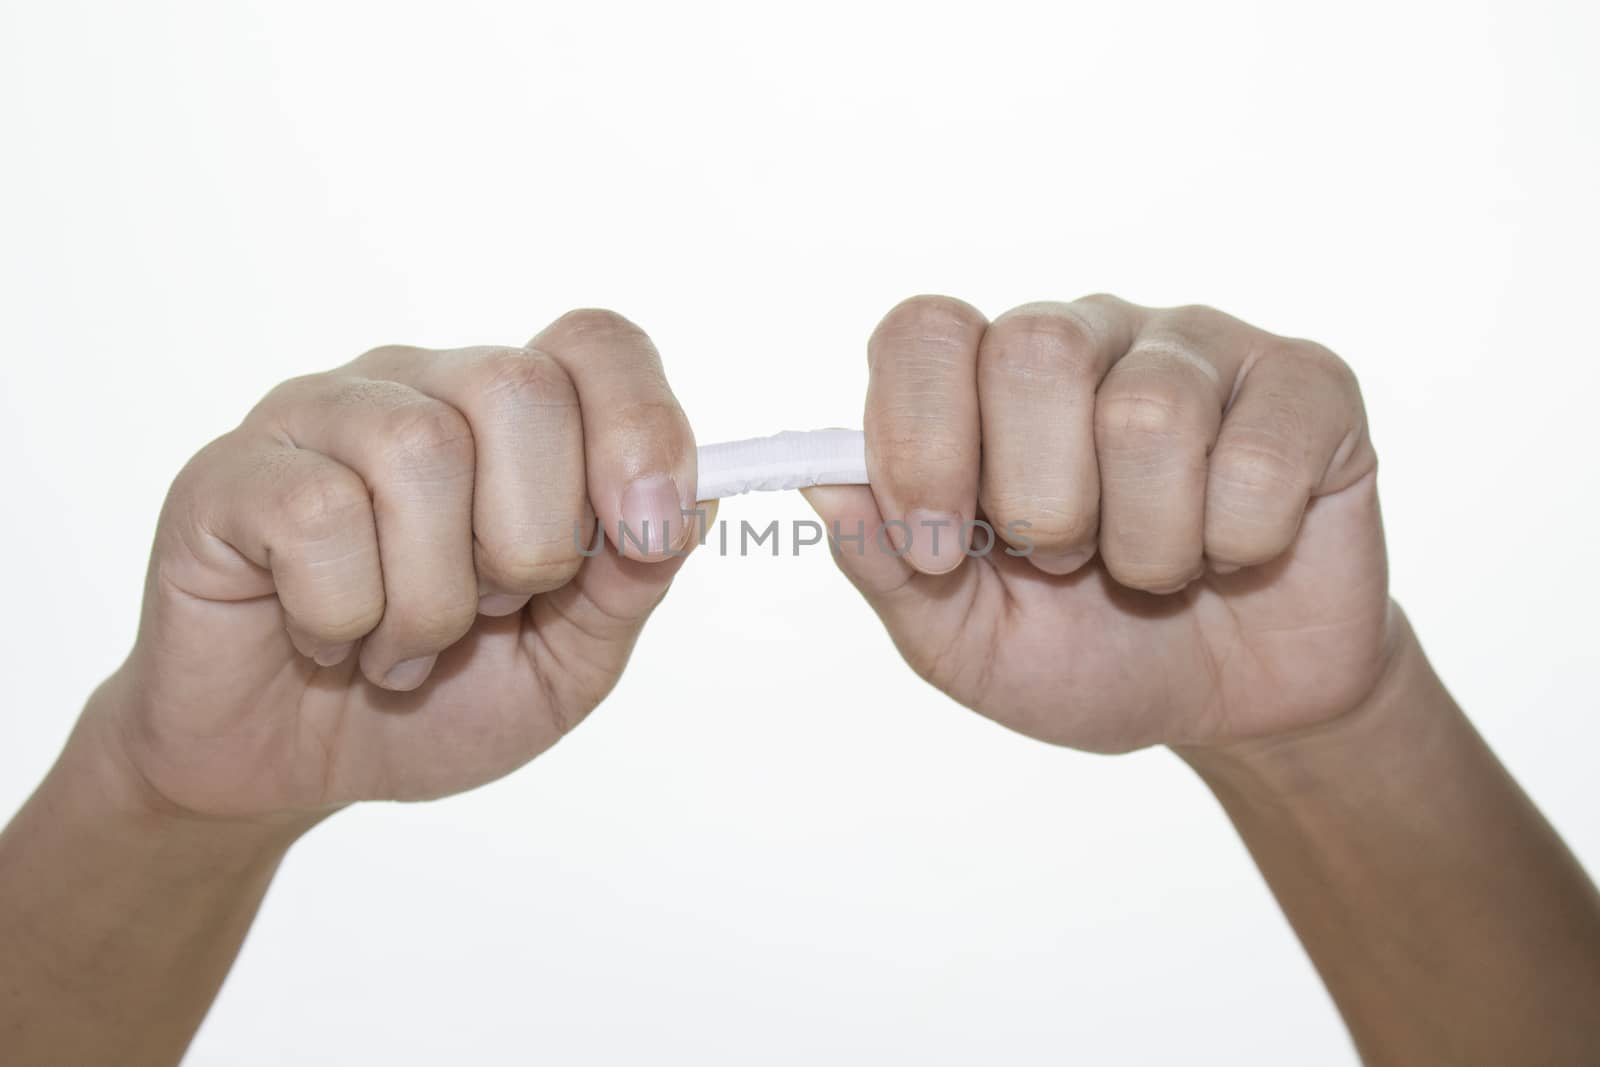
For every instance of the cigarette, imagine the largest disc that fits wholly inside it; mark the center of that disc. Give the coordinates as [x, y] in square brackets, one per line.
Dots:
[792, 459]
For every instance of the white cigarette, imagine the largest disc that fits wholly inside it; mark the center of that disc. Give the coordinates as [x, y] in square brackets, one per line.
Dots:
[792, 459]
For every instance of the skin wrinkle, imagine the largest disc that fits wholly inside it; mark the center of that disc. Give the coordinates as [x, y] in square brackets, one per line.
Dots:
[994, 637]
[1142, 416]
[1283, 480]
[1174, 435]
[1341, 456]
[1295, 688]
[519, 386]
[588, 696]
[942, 358]
[562, 564]
[935, 453]
[621, 623]
[564, 722]
[935, 669]
[1175, 350]
[213, 543]
[1040, 512]
[327, 740]
[1216, 668]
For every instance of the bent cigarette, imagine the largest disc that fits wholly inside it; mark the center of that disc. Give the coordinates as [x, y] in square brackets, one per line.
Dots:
[792, 459]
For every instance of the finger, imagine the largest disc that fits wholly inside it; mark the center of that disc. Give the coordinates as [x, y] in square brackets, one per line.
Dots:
[1156, 417]
[1038, 368]
[638, 448]
[1296, 428]
[303, 520]
[415, 454]
[922, 423]
[854, 529]
[588, 626]
[530, 505]
[911, 604]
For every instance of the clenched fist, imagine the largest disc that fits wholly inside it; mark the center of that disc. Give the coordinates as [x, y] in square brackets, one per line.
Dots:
[1189, 503]
[414, 516]
[380, 585]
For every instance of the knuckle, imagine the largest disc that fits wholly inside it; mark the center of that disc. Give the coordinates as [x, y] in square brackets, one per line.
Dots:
[429, 432]
[1194, 337]
[928, 319]
[1196, 318]
[1152, 575]
[1321, 362]
[1311, 352]
[1180, 359]
[343, 620]
[289, 392]
[1245, 544]
[650, 418]
[214, 453]
[1150, 411]
[596, 324]
[533, 567]
[1254, 470]
[350, 393]
[1052, 524]
[1107, 300]
[320, 503]
[383, 354]
[1042, 341]
[521, 379]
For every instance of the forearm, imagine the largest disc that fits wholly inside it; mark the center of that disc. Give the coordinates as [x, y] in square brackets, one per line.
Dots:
[119, 918]
[1448, 920]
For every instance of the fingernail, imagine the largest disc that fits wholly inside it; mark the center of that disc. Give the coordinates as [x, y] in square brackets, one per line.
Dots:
[651, 516]
[500, 603]
[408, 674]
[333, 654]
[1223, 568]
[935, 541]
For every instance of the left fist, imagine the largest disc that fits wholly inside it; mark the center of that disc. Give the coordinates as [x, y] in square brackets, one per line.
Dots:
[1190, 505]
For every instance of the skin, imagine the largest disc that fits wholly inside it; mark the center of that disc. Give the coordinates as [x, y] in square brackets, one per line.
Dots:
[1095, 431]
[1201, 564]
[414, 514]
[371, 590]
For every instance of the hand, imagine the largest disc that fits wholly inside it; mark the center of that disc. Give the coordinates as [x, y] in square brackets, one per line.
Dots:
[1200, 502]
[373, 588]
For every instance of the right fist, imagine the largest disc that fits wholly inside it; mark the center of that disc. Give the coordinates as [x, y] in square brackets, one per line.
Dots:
[380, 585]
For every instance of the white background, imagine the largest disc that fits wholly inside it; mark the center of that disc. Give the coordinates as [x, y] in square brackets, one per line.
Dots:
[802, 855]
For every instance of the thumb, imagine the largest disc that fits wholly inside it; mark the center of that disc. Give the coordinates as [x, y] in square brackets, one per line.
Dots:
[598, 615]
[860, 544]
[911, 604]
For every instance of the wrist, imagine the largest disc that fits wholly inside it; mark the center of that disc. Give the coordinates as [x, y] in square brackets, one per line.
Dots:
[97, 783]
[120, 912]
[1405, 706]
